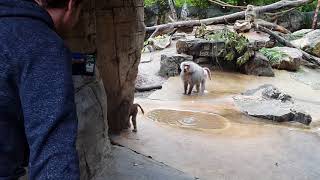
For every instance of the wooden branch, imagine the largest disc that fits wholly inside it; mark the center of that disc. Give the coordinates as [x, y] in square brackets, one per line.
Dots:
[281, 12]
[149, 88]
[284, 4]
[272, 26]
[173, 10]
[153, 34]
[312, 59]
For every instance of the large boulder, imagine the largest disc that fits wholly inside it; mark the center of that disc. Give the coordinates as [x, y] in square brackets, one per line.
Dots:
[178, 36]
[300, 33]
[291, 61]
[268, 102]
[169, 65]
[201, 48]
[292, 20]
[310, 42]
[259, 65]
[284, 58]
[259, 39]
[160, 42]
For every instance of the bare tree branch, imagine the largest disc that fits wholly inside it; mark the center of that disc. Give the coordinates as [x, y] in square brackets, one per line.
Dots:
[284, 4]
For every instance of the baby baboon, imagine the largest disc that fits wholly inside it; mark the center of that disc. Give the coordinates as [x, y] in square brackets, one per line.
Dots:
[193, 74]
[133, 114]
[250, 14]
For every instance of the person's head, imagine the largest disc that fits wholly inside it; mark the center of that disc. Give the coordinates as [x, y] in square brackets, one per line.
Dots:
[64, 13]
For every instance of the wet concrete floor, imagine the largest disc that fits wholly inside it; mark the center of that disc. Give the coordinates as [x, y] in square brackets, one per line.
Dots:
[208, 137]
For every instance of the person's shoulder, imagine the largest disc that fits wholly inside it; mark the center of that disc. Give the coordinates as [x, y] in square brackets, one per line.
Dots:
[42, 36]
[26, 34]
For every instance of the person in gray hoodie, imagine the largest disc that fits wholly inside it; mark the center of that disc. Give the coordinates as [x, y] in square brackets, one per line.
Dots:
[38, 123]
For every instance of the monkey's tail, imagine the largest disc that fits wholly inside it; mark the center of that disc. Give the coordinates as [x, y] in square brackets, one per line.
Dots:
[141, 109]
[208, 71]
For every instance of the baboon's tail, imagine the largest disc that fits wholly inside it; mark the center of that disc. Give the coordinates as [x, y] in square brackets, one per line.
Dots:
[208, 71]
[141, 108]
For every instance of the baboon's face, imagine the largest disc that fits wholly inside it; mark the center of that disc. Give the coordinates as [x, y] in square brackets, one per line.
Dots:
[186, 68]
[250, 7]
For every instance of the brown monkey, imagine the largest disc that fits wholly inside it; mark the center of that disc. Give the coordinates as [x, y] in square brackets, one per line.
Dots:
[133, 114]
[194, 75]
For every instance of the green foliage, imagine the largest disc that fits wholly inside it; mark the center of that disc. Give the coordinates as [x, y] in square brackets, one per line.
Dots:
[309, 7]
[237, 46]
[273, 55]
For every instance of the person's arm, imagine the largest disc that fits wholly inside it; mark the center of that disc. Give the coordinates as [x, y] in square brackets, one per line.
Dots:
[47, 98]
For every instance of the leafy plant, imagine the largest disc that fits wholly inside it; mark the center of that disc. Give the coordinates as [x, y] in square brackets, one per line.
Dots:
[237, 46]
[273, 55]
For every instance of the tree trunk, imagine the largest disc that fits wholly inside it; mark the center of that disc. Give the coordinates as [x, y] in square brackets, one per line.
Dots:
[315, 18]
[173, 10]
[231, 17]
[120, 36]
[272, 26]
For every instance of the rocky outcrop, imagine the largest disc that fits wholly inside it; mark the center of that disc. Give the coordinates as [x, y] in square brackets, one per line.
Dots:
[201, 48]
[160, 42]
[259, 39]
[292, 20]
[300, 34]
[291, 61]
[169, 64]
[268, 102]
[310, 42]
[259, 65]
[148, 82]
[178, 36]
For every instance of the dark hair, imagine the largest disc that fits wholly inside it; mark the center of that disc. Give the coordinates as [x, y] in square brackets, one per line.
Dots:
[57, 3]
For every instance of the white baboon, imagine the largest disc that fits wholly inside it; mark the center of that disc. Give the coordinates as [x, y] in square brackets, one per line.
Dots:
[194, 75]
[250, 14]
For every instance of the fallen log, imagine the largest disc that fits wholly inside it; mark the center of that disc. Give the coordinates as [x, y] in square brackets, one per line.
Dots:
[149, 88]
[272, 26]
[310, 58]
[284, 4]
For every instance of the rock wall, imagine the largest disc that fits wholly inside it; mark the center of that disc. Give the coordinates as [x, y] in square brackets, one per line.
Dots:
[93, 143]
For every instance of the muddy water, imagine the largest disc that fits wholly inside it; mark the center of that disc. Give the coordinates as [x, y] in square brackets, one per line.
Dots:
[226, 85]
